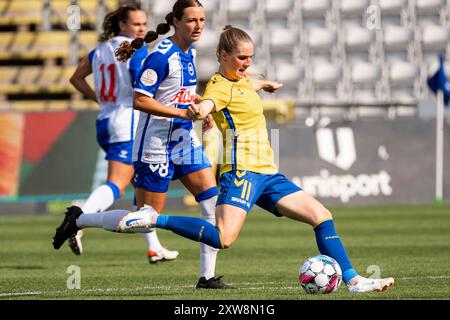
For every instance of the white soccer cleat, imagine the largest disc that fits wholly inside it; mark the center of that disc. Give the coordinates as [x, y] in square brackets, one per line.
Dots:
[370, 285]
[162, 255]
[141, 221]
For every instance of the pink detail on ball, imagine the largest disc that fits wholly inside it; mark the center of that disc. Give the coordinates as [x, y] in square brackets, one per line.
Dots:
[332, 284]
[304, 278]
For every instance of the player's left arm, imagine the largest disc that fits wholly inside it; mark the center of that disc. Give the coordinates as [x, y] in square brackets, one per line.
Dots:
[78, 79]
[266, 85]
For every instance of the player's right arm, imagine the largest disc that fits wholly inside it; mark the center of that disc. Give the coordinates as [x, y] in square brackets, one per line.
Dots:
[149, 105]
[78, 79]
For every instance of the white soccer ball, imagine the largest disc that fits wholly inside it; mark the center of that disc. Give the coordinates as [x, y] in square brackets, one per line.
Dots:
[320, 274]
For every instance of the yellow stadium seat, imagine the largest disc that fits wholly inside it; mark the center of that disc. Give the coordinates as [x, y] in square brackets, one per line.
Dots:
[29, 105]
[88, 41]
[64, 80]
[27, 78]
[60, 14]
[6, 39]
[52, 44]
[3, 4]
[83, 105]
[22, 43]
[22, 12]
[57, 105]
[8, 83]
[49, 79]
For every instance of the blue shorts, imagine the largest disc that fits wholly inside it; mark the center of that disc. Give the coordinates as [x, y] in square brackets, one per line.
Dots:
[156, 177]
[119, 151]
[245, 188]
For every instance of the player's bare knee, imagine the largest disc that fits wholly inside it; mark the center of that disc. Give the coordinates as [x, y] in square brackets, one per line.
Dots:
[318, 216]
[227, 242]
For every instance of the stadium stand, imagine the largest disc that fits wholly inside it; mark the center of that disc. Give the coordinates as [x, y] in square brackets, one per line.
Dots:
[326, 52]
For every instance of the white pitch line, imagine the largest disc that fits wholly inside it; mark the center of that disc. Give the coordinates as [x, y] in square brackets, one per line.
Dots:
[262, 285]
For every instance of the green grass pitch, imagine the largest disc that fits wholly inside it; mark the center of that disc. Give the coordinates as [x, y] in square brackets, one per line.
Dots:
[410, 243]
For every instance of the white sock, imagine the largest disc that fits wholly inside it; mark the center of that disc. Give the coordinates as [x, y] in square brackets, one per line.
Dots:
[108, 220]
[99, 200]
[152, 241]
[151, 238]
[208, 254]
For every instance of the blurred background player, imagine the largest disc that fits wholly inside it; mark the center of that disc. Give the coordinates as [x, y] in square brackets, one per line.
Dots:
[116, 121]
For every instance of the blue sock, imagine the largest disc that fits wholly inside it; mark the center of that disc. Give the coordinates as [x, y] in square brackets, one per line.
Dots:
[115, 189]
[329, 244]
[192, 228]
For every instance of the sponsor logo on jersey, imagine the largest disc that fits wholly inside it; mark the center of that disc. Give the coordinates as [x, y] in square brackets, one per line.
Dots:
[149, 77]
[184, 97]
[191, 68]
[241, 201]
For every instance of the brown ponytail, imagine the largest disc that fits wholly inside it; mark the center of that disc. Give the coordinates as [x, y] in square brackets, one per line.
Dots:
[126, 49]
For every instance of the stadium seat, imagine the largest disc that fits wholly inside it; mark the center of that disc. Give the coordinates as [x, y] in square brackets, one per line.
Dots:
[207, 44]
[88, 40]
[292, 78]
[403, 81]
[8, 80]
[49, 79]
[389, 7]
[429, 7]
[283, 40]
[206, 67]
[51, 44]
[315, 8]
[214, 14]
[434, 37]
[401, 72]
[20, 12]
[352, 8]
[358, 38]
[321, 39]
[289, 74]
[326, 77]
[6, 38]
[283, 45]
[159, 10]
[241, 9]
[60, 15]
[326, 73]
[275, 9]
[397, 38]
[365, 74]
[28, 78]
[364, 77]
[22, 42]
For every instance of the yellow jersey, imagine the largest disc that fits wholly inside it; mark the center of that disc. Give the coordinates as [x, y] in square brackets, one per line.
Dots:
[240, 119]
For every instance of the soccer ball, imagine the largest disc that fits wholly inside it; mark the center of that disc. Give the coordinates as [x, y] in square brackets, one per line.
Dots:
[320, 274]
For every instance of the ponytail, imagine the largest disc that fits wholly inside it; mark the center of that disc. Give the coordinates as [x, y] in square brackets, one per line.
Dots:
[126, 49]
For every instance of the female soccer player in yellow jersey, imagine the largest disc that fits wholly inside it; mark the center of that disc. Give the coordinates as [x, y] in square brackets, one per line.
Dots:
[249, 174]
